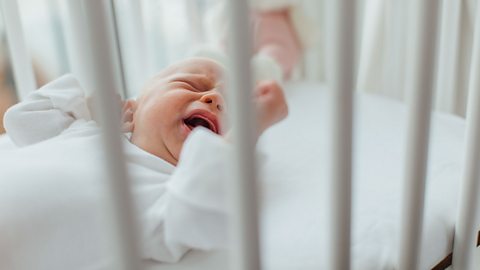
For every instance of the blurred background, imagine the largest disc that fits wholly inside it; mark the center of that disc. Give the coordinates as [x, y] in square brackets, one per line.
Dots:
[168, 31]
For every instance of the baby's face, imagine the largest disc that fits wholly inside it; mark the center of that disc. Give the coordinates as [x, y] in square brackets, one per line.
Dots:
[182, 97]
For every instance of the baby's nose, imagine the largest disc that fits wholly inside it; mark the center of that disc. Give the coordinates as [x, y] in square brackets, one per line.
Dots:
[214, 99]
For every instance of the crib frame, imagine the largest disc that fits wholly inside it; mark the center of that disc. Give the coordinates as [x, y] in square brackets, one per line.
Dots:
[93, 20]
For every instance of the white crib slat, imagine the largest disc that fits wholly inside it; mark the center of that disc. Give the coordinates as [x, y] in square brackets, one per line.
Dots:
[100, 32]
[341, 51]
[419, 81]
[244, 223]
[469, 203]
[19, 56]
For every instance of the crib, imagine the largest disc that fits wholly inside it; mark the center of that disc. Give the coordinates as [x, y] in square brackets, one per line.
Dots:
[99, 67]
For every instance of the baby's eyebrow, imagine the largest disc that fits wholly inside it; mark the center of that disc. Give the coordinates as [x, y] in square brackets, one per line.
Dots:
[199, 81]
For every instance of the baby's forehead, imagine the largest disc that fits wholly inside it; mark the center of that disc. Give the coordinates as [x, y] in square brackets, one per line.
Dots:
[199, 68]
[204, 74]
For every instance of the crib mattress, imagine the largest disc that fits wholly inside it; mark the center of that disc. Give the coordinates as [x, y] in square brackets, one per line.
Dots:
[296, 199]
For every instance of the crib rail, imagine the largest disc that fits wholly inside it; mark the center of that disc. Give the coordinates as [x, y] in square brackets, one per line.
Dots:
[100, 32]
[420, 78]
[341, 16]
[244, 224]
[465, 229]
[19, 55]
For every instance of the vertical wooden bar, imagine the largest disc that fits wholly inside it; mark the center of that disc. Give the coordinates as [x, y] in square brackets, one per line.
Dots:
[19, 55]
[465, 229]
[420, 78]
[244, 223]
[341, 54]
[102, 66]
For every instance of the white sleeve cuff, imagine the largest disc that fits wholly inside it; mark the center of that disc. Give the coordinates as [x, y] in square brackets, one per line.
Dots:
[202, 171]
[67, 95]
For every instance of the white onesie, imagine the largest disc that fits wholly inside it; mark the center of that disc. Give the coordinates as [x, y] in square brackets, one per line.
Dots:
[180, 208]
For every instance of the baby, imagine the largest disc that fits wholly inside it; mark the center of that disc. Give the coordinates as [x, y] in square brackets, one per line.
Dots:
[187, 95]
[176, 159]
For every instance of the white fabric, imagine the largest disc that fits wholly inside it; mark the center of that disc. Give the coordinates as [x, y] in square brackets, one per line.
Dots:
[51, 189]
[383, 51]
[6, 143]
[53, 219]
[295, 201]
[47, 112]
[264, 67]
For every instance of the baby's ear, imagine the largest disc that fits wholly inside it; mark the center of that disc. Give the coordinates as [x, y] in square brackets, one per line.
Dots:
[128, 111]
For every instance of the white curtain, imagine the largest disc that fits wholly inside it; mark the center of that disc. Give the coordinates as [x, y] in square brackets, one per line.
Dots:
[174, 27]
[383, 51]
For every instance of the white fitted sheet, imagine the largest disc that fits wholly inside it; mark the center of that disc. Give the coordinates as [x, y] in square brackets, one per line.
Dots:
[295, 204]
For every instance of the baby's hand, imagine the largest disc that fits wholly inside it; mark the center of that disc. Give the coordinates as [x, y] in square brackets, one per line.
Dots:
[270, 103]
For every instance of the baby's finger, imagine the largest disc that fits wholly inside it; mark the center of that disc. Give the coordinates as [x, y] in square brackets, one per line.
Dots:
[127, 115]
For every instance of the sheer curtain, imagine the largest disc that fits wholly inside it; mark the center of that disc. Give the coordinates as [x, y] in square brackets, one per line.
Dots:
[173, 28]
[383, 50]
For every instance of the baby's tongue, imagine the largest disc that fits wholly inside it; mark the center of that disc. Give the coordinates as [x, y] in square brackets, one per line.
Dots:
[196, 121]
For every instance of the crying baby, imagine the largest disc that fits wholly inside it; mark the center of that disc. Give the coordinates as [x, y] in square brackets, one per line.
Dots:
[186, 95]
[176, 154]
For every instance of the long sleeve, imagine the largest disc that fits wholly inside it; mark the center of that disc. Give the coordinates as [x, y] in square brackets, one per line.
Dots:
[192, 212]
[46, 112]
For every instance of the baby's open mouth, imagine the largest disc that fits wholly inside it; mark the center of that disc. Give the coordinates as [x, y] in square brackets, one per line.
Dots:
[202, 120]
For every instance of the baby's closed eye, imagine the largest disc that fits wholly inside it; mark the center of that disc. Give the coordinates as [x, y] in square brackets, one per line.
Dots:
[186, 85]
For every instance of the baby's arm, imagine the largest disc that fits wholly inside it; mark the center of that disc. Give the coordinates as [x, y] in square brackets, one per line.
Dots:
[46, 112]
[193, 211]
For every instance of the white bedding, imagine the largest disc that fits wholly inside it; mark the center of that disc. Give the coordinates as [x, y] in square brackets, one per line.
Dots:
[6, 143]
[294, 225]
[295, 203]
